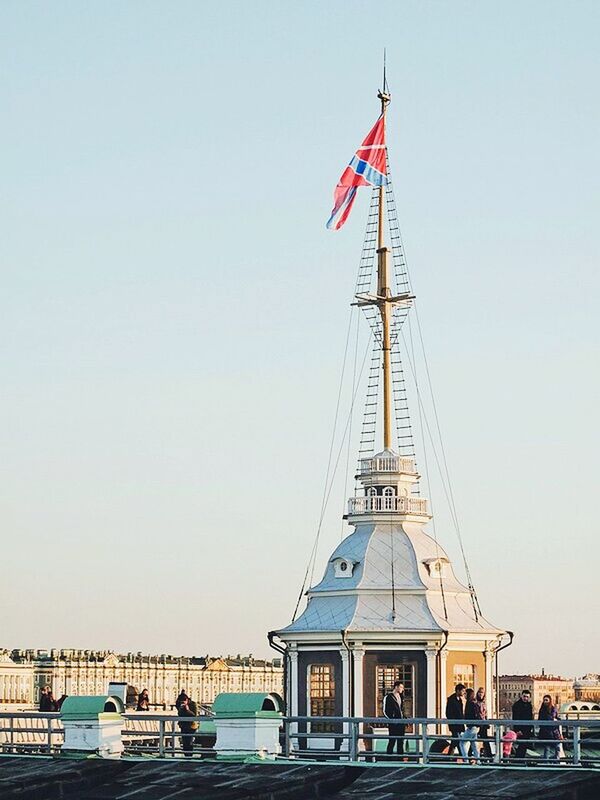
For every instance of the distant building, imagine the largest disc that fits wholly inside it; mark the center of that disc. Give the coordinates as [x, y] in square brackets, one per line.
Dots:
[81, 672]
[588, 688]
[510, 687]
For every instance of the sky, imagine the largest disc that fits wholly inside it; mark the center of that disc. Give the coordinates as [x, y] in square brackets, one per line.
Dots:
[174, 312]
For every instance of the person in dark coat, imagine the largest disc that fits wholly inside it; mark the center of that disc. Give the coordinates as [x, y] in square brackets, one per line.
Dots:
[455, 709]
[523, 710]
[47, 701]
[467, 743]
[393, 709]
[187, 708]
[143, 701]
[549, 734]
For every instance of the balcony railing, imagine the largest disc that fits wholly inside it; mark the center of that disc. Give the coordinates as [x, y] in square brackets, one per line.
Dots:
[387, 464]
[387, 503]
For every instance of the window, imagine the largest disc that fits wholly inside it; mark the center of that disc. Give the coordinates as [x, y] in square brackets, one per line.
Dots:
[388, 498]
[322, 695]
[387, 675]
[464, 673]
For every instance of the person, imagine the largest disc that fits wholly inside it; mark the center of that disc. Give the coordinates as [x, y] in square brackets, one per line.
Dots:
[508, 740]
[393, 709]
[455, 709]
[181, 697]
[143, 702]
[467, 739]
[523, 710]
[549, 734]
[47, 701]
[481, 709]
[187, 708]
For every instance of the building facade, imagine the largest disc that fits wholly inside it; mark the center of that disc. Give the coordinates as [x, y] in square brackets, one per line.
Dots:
[510, 687]
[88, 672]
[588, 688]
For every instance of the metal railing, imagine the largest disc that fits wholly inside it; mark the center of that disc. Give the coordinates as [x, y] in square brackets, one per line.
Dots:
[387, 464]
[394, 503]
[144, 733]
[424, 741]
[428, 741]
[30, 732]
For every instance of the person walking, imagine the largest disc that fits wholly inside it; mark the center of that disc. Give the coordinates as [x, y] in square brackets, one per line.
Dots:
[455, 710]
[523, 710]
[393, 709]
[187, 708]
[549, 734]
[467, 742]
[143, 701]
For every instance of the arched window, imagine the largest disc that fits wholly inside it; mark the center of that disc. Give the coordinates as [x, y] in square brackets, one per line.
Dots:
[388, 498]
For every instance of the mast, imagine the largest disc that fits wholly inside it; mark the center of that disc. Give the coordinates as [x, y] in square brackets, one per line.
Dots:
[383, 298]
[385, 306]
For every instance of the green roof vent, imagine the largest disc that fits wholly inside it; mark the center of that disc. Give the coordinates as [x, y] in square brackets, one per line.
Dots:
[247, 704]
[103, 707]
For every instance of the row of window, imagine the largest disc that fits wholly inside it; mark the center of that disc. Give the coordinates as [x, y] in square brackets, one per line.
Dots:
[322, 685]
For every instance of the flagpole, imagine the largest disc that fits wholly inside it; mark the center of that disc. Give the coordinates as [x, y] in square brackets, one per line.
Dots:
[384, 294]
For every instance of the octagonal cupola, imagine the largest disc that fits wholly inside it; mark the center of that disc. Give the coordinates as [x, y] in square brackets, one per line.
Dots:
[388, 481]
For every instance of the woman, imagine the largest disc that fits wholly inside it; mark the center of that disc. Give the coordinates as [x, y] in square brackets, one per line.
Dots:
[143, 703]
[549, 734]
[468, 738]
[481, 706]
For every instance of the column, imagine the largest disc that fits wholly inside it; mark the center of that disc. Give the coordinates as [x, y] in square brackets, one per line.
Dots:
[431, 656]
[292, 688]
[488, 655]
[358, 654]
[293, 683]
[345, 657]
[443, 686]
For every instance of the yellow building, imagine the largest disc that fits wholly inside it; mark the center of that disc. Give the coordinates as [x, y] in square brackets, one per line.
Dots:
[510, 688]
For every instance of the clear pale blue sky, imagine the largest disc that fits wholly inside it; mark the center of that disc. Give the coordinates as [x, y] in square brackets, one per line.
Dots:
[173, 310]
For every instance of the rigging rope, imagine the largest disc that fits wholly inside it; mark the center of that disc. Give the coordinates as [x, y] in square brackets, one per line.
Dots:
[427, 478]
[327, 493]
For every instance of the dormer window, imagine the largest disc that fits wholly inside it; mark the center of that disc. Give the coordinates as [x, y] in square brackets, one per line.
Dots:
[343, 567]
[436, 566]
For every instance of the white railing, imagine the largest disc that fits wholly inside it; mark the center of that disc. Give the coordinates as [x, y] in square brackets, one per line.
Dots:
[389, 503]
[387, 464]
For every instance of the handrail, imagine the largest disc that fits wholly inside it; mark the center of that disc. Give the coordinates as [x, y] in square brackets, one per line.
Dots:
[387, 464]
[390, 503]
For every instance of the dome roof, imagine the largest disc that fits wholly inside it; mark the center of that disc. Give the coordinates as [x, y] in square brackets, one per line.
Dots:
[360, 596]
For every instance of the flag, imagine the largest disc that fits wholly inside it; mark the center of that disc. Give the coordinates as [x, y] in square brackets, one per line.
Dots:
[367, 168]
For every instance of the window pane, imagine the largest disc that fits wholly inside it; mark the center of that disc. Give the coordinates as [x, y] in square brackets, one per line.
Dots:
[465, 674]
[322, 695]
[387, 675]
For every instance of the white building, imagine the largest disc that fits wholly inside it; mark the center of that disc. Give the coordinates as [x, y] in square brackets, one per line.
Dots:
[88, 672]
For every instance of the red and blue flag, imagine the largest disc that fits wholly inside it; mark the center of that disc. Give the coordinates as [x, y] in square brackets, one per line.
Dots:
[367, 168]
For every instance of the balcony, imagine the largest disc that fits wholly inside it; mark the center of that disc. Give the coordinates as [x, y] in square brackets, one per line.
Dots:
[387, 464]
[387, 503]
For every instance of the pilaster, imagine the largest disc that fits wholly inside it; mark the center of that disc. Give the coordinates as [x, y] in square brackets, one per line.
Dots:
[431, 656]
